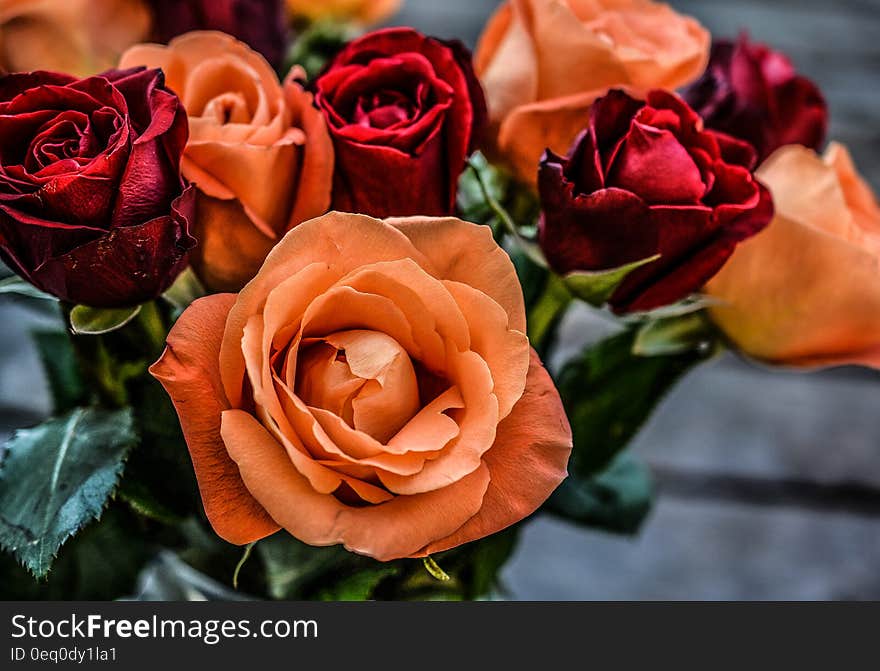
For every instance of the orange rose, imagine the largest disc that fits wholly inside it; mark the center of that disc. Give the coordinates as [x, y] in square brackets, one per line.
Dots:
[371, 386]
[806, 290]
[544, 62]
[365, 12]
[258, 150]
[80, 37]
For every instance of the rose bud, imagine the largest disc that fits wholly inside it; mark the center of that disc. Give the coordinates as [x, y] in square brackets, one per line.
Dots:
[753, 93]
[372, 386]
[92, 206]
[258, 151]
[645, 179]
[806, 290]
[404, 111]
[259, 23]
[362, 12]
[544, 62]
[81, 37]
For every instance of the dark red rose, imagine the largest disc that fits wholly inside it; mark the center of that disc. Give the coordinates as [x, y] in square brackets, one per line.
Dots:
[259, 23]
[643, 179]
[404, 111]
[92, 206]
[753, 93]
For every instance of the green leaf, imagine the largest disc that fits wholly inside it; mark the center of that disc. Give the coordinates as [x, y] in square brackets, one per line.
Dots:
[487, 557]
[141, 500]
[316, 45]
[62, 370]
[186, 289]
[56, 477]
[292, 567]
[617, 499]
[102, 562]
[160, 481]
[360, 585]
[596, 287]
[85, 320]
[609, 392]
[471, 199]
[693, 303]
[16, 285]
[675, 335]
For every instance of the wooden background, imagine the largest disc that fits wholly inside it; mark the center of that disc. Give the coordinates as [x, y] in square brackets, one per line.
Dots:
[762, 476]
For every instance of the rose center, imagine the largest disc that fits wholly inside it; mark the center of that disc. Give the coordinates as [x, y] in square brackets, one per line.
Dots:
[384, 109]
[229, 107]
[64, 137]
[364, 377]
[225, 92]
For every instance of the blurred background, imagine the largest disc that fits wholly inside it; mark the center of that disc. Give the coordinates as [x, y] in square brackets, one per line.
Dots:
[768, 482]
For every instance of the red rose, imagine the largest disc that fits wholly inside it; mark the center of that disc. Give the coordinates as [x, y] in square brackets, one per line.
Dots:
[92, 206]
[404, 111]
[643, 179]
[259, 23]
[754, 93]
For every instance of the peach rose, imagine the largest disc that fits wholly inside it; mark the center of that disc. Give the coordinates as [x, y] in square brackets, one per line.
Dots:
[79, 37]
[258, 150]
[544, 62]
[371, 386]
[806, 290]
[364, 12]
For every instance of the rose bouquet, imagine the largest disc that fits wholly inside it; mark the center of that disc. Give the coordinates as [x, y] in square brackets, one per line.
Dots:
[303, 277]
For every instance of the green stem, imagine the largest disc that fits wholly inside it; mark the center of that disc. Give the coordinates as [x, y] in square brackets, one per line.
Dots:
[547, 312]
[532, 250]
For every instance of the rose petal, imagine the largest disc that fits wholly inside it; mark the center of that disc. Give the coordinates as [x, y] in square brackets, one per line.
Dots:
[522, 446]
[128, 266]
[506, 352]
[343, 241]
[386, 531]
[467, 253]
[188, 371]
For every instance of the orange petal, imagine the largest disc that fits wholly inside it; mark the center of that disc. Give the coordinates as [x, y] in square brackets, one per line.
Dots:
[531, 128]
[230, 249]
[805, 189]
[80, 37]
[342, 308]
[506, 352]
[384, 405]
[477, 423]
[385, 531]
[259, 177]
[186, 52]
[464, 252]
[188, 369]
[860, 200]
[431, 429]
[796, 295]
[527, 462]
[315, 178]
[430, 309]
[506, 63]
[493, 34]
[806, 290]
[342, 241]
